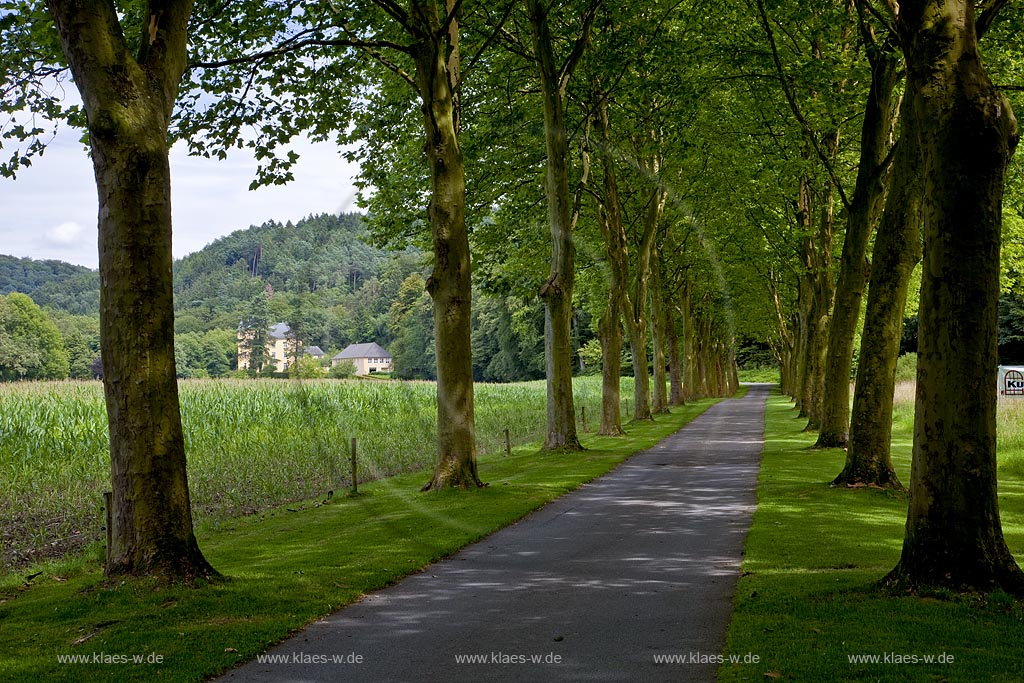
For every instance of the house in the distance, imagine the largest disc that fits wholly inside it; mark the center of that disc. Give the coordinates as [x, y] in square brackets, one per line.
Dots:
[367, 358]
[281, 346]
[314, 351]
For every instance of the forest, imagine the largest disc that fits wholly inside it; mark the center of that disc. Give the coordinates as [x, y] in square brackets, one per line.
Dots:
[320, 275]
[668, 179]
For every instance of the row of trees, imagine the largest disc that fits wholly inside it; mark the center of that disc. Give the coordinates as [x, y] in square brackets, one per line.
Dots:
[930, 150]
[679, 172]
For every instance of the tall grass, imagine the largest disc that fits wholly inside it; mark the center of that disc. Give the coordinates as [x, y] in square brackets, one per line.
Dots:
[903, 405]
[1010, 435]
[250, 445]
[1009, 426]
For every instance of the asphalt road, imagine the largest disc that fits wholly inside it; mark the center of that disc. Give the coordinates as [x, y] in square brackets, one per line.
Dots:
[597, 586]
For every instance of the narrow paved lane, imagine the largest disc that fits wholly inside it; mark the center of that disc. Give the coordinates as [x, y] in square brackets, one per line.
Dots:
[597, 586]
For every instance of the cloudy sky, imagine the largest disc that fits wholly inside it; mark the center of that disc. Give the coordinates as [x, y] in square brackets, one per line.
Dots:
[49, 211]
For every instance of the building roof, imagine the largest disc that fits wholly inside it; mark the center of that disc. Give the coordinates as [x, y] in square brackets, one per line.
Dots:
[314, 351]
[371, 350]
[281, 331]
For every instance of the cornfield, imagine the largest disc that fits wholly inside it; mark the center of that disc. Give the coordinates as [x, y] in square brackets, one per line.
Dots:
[250, 445]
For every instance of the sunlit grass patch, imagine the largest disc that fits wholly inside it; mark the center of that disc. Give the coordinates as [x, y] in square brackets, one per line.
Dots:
[761, 374]
[808, 602]
[1010, 434]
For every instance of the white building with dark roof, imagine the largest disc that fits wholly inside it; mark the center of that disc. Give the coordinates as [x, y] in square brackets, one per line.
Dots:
[281, 346]
[367, 358]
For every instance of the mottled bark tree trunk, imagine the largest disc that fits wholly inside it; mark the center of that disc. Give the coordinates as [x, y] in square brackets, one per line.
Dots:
[967, 133]
[659, 398]
[784, 345]
[897, 251]
[865, 207]
[805, 298]
[610, 335]
[637, 320]
[617, 254]
[128, 101]
[436, 56]
[641, 369]
[708, 368]
[821, 286]
[557, 290]
[785, 355]
[676, 395]
[734, 372]
[691, 377]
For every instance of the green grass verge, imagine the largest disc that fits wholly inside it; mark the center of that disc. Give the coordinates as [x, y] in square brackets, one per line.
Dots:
[285, 568]
[807, 601]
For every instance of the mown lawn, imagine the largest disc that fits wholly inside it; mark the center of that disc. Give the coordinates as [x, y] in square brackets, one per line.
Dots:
[807, 603]
[284, 568]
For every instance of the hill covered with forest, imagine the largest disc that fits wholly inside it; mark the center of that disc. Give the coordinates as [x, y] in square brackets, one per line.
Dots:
[321, 275]
[59, 285]
[324, 253]
[320, 260]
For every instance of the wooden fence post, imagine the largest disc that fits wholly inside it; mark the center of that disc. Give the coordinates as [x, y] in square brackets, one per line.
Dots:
[508, 443]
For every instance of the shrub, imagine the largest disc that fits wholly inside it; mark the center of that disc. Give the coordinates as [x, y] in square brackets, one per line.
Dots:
[906, 368]
[306, 367]
[342, 370]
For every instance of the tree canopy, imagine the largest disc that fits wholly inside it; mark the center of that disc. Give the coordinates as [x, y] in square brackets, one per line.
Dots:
[672, 178]
[31, 346]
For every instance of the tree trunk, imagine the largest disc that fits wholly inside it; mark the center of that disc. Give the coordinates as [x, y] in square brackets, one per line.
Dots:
[691, 378]
[822, 289]
[676, 396]
[734, 372]
[611, 369]
[897, 251]
[784, 344]
[967, 133]
[799, 357]
[805, 297]
[637, 320]
[617, 255]
[641, 369]
[722, 371]
[557, 290]
[659, 399]
[128, 102]
[865, 207]
[437, 74]
[785, 356]
[707, 370]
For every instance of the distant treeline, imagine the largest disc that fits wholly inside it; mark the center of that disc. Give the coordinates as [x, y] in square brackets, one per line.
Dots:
[321, 275]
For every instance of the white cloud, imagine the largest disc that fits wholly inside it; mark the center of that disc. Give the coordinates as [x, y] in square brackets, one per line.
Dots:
[65, 233]
[210, 199]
